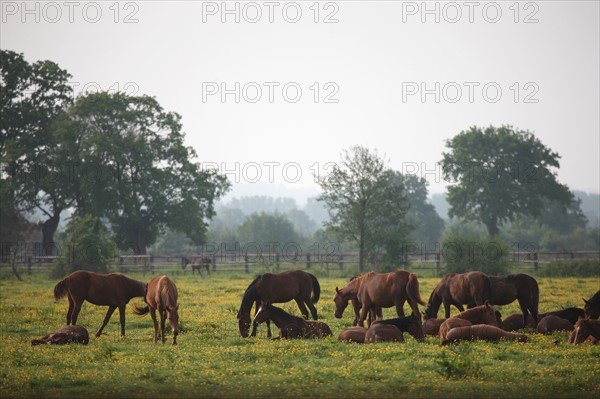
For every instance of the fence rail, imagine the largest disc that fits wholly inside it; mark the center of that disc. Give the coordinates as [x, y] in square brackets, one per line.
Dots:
[206, 263]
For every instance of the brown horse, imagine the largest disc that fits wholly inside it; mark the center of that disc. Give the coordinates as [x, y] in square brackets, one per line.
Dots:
[112, 290]
[592, 306]
[161, 295]
[278, 288]
[432, 326]
[551, 323]
[65, 335]
[353, 334]
[458, 290]
[520, 287]
[514, 322]
[585, 328]
[291, 326]
[482, 332]
[410, 324]
[484, 314]
[383, 333]
[374, 290]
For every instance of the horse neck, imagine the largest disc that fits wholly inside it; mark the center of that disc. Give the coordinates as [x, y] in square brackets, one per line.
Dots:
[248, 300]
[594, 327]
[433, 305]
[280, 317]
[350, 291]
[136, 288]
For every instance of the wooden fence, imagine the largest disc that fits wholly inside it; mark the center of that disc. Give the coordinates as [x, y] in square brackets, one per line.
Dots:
[223, 262]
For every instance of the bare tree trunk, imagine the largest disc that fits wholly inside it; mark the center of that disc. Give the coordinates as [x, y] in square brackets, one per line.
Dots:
[48, 229]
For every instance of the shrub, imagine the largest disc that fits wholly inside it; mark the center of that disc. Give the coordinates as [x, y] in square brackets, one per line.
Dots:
[462, 254]
[88, 246]
[571, 268]
[458, 365]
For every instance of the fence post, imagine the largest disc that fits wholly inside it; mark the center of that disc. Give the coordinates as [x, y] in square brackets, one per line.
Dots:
[308, 261]
[341, 262]
[438, 261]
[535, 261]
[214, 263]
[29, 265]
[277, 260]
[246, 266]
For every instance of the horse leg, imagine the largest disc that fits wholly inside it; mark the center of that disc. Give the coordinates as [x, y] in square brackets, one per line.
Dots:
[363, 314]
[269, 335]
[525, 312]
[447, 309]
[313, 310]
[153, 315]
[302, 308]
[122, 318]
[111, 309]
[70, 311]
[75, 313]
[163, 316]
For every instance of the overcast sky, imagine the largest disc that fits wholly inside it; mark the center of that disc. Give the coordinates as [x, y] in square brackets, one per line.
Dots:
[275, 96]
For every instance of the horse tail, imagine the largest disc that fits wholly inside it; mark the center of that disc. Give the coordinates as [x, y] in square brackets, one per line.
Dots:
[412, 289]
[316, 289]
[535, 299]
[487, 290]
[141, 311]
[61, 289]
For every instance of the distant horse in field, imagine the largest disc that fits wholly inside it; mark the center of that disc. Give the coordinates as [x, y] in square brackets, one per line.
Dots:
[482, 332]
[409, 324]
[291, 326]
[592, 306]
[484, 314]
[520, 287]
[278, 288]
[514, 322]
[375, 290]
[458, 290]
[383, 333]
[198, 263]
[112, 290]
[353, 334]
[584, 329]
[161, 295]
[551, 323]
[65, 335]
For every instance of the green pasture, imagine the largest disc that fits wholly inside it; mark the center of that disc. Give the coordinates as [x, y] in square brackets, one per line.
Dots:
[212, 360]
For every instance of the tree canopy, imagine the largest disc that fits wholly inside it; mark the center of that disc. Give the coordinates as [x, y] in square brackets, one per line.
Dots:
[366, 204]
[498, 173]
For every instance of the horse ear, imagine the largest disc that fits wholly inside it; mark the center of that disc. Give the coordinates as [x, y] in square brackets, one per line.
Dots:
[487, 304]
[584, 300]
[337, 290]
[177, 307]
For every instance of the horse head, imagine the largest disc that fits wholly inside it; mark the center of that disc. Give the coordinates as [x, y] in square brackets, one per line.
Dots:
[415, 328]
[244, 322]
[340, 303]
[489, 315]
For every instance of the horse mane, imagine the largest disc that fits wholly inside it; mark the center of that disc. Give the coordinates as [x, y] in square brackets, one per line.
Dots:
[250, 295]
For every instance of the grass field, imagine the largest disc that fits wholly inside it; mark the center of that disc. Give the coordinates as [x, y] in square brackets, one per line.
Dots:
[212, 360]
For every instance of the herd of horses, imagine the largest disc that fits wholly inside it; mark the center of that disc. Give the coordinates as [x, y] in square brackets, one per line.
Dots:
[368, 293]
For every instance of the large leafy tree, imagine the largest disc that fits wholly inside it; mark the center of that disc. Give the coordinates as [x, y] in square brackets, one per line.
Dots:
[499, 173]
[136, 171]
[366, 203]
[269, 233]
[32, 96]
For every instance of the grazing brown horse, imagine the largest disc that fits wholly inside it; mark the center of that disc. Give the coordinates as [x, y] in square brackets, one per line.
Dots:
[161, 295]
[112, 290]
[278, 288]
[383, 333]
[353, 334]
[484, 314]
[458, 290]
[483, 332]
[65, 335]
[291, 326]
[374, 290]
[584, 329]
[514, 322]
[409, 324]
[551, 323]
[520, 287]
[432, 326]
[592, 306]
